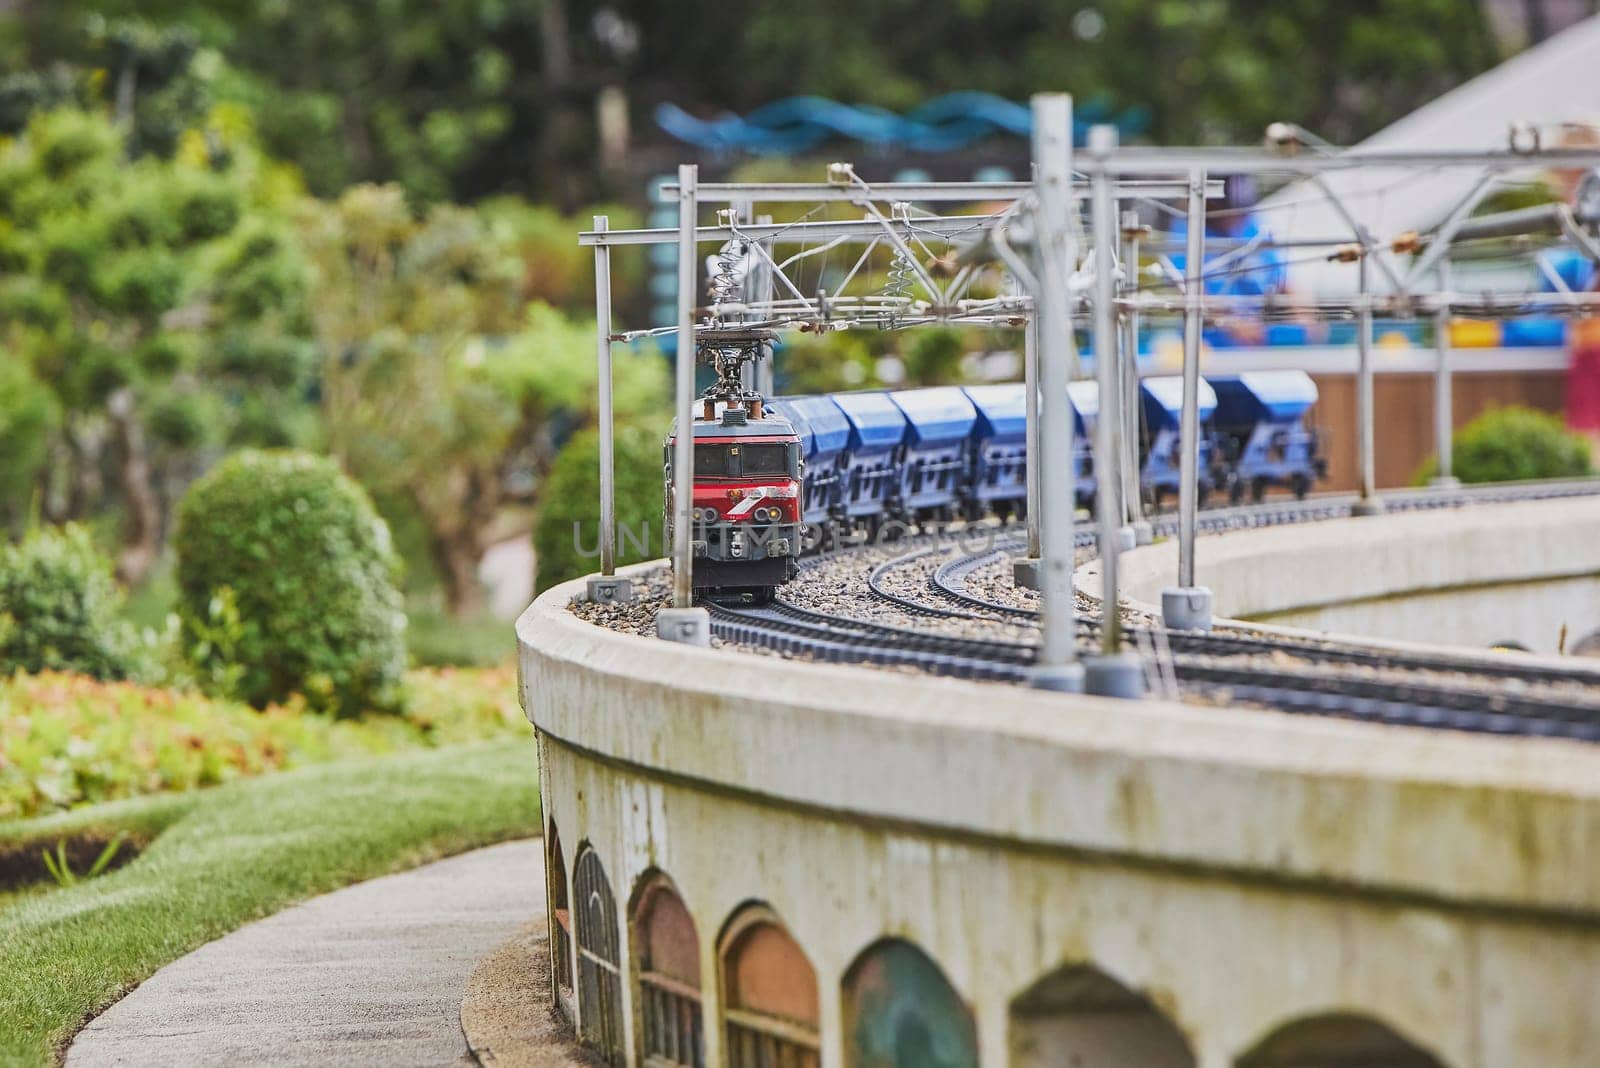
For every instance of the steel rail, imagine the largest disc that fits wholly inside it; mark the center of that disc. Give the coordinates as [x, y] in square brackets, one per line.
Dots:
[1222, 663]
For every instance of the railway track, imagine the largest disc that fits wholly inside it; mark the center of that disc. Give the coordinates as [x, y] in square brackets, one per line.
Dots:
[1448, 690]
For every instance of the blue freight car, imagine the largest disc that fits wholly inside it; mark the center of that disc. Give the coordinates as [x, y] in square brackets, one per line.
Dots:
[824, 435]
[935, 458]
[1161, 397]
[1085, 397]
[999, 451]
[870, 467]
[1260, 427]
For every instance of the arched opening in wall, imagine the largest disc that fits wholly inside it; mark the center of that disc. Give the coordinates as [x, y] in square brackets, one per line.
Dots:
[599, 978]
[668, 951]
[1337, 1040]
[771, 1009]
[901, 1012]
[1079, 1015]
[555, 874]
[1587, 646]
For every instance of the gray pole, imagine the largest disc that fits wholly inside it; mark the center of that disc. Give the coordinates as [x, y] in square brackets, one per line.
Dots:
[1132, 502]
[682, 622]
[607, 587]
[602, 310]
[1112, 673]
[1030, 378]
[1052, 154]
[1368, 504]
[764, 294]
[1188, 606]
[1189, 421]
[1443, 386]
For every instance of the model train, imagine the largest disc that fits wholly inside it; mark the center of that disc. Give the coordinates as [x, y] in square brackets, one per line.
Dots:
[774, 479]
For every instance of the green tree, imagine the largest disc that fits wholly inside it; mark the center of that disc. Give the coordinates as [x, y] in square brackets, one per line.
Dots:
[439, 384]
[480, 96]
[150, 296]
[824, 363]
[28, 418]
[1512, 444]
[60, 608]
[567, 532]
[287, 584]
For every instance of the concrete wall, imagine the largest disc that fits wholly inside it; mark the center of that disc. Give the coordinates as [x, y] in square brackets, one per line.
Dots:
[1469, 577]
[1240, 870]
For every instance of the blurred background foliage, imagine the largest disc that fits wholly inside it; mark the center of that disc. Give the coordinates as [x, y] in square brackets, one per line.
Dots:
[348, 227]
[476, 97]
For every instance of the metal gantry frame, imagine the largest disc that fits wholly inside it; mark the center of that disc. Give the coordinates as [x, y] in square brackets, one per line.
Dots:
[1034, 237]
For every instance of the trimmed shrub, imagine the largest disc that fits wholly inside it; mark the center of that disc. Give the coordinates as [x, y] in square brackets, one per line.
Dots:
[59, 608]
[569, 508]
[287, 584]
[1512, 444]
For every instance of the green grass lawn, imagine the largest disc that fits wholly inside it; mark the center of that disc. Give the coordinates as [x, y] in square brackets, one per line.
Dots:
[217, 859]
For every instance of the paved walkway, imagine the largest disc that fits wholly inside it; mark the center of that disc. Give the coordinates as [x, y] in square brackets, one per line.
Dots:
[369, 975]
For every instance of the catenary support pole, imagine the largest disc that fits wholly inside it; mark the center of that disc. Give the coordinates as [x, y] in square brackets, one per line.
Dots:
[1188, 606]
[1025, 569]
[1113, 673]
[1443, 385]
[1368, 503]
[606, 587]
[766, 284]
[1132, 501]
[682, 622]
[1057, 667]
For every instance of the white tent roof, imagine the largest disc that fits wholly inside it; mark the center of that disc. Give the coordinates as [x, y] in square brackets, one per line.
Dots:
[1556, 82]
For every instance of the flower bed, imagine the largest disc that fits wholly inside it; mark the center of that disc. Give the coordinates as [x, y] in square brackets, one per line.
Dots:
[67, 740]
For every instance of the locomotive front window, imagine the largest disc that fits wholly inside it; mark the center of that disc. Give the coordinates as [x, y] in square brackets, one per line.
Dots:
[746, 460]
[715, 460]
[769, 459]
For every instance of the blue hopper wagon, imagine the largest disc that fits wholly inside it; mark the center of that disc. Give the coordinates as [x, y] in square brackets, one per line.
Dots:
[870, 466]
[934, 459]
[1260, 428]
[824, 435]
[1084, 395]
[1162, 400]
[999, 451]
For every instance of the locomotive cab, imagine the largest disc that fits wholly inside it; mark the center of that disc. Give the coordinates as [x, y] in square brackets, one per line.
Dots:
[746, 538]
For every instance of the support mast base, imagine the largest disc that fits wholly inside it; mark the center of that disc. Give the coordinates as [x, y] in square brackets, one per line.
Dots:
[609, 589]
[1116, 675]
[686, 626]
[1187, 607]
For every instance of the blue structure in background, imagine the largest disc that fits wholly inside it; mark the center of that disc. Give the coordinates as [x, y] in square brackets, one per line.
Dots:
[944, 124]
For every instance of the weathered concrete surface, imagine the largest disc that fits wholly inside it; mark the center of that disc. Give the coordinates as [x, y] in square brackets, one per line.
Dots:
[1242, 869]
[506, 1012]
[1471, 576]
[369, 975]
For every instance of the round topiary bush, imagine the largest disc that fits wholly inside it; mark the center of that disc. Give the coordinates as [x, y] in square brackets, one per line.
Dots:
[566, 536]
[59, 608]
[287, 584]
[1512, 444]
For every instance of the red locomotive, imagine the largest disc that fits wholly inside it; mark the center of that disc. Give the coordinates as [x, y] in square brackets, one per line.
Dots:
[747, 472]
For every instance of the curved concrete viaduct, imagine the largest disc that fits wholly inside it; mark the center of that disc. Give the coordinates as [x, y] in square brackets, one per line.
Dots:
[756, 858]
